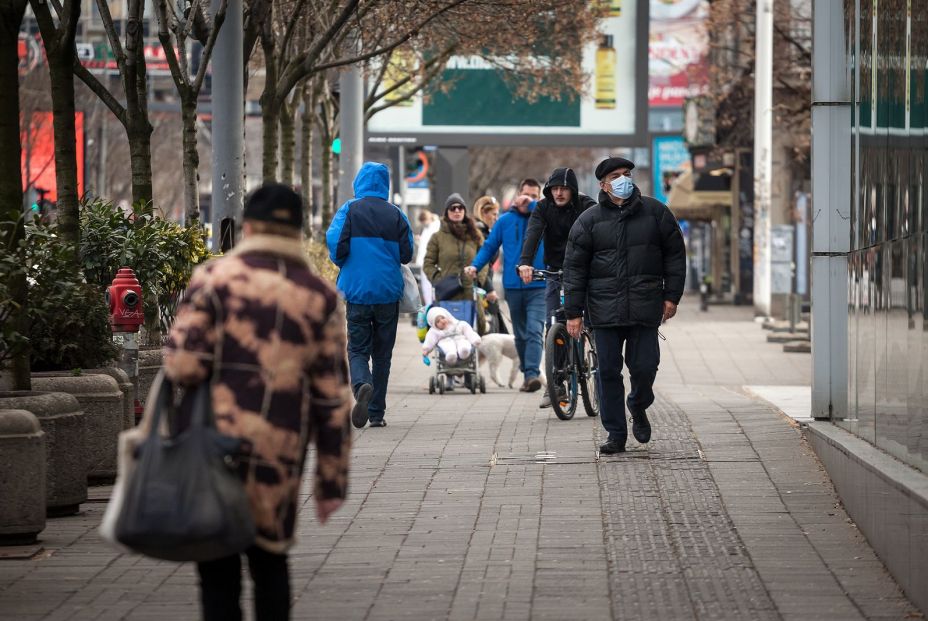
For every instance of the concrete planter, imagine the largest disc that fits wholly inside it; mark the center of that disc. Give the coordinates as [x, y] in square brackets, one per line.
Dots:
[149, 364]
[128, 393]
[101, 400]
[62, 420]
[22, 477]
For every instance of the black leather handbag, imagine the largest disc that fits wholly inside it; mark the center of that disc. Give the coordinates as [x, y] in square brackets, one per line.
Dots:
[448, 287]
[185, 501]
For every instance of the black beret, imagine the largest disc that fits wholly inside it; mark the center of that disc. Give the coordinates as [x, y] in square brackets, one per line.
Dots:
[275, 202]
[611, 163]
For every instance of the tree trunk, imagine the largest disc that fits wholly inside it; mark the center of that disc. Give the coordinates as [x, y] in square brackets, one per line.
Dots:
[287, 142]
[61, 72]
[270, 128]
[11, 189]
[139, 135]
[306, 156]
[191, 161]
[326, 188]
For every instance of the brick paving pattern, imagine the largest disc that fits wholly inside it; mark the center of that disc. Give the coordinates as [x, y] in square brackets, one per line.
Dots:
[485, 507]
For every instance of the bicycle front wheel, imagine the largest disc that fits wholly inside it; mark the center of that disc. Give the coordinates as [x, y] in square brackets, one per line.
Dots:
[589, 374]
[561, 372]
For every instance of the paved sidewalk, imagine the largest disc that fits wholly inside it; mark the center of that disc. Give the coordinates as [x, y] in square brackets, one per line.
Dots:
[485, 507]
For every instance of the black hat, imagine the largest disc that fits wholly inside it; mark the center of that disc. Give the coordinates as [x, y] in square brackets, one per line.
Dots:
[454, 199]
[275, 202]
[611, 163]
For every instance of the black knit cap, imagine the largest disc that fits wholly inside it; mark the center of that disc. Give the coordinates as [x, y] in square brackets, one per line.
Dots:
[611, 163]
[275, 202]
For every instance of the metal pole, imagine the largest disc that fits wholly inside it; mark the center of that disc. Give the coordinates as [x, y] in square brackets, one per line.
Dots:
[351, 131]
[763, 153]
[228, 130]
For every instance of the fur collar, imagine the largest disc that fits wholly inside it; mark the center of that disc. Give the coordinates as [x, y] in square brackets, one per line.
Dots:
[276, 245]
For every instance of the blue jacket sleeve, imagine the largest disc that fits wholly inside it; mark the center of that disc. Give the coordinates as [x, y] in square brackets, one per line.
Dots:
[338, 237]
[489, 248]
[406, 243]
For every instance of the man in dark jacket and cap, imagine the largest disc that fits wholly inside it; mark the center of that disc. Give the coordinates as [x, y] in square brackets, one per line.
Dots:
[551, 220]
[624, 268]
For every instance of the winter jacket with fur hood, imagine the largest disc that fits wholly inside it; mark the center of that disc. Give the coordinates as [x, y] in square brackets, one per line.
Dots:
[281, 375]
[552, 223]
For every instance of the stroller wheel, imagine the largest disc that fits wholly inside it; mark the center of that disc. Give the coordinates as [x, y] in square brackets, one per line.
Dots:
[471, 382]
[432, 385]
[483, 385]
[440, 381]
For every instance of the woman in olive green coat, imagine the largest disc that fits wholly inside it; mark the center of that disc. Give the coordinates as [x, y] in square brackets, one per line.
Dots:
[452, 249]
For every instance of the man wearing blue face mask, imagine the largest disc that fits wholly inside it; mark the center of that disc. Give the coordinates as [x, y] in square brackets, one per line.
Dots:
[624, 268]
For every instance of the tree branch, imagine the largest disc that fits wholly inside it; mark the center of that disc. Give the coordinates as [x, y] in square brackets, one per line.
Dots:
[91, 81]
[110, 28]
[291, 25]
[180, 80]
[218, 20]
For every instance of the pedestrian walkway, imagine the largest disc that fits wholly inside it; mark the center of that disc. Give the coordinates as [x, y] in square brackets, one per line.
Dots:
[485, 507]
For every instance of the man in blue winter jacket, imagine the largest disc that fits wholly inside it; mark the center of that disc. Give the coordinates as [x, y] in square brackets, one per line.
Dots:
[526, 300]
[368, 239]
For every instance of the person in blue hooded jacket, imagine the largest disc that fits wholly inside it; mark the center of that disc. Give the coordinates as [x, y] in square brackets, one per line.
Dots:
[368, 240]
[526, 301]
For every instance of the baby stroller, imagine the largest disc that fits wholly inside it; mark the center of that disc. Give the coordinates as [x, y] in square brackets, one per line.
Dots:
[464, 370]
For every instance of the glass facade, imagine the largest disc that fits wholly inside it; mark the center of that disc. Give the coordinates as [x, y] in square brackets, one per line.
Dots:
[887, 54]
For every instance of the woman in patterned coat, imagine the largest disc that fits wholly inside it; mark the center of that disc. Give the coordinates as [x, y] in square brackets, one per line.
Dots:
[270, 337]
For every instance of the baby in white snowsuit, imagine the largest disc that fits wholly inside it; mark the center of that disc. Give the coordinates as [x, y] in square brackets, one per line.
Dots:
[456, 339]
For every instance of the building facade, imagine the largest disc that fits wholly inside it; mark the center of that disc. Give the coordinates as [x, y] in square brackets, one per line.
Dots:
[870, 282]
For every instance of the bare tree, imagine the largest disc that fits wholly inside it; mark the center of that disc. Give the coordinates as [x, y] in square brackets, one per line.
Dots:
[58, 34]
[130, 60]
[175, 30]
[13, 320]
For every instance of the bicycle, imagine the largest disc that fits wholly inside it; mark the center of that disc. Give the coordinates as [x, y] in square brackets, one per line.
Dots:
[571, 365]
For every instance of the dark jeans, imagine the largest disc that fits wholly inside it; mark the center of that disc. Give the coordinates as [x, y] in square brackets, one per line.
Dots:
[526, 309]
[221, 586]
[371, 336]
[642, 355]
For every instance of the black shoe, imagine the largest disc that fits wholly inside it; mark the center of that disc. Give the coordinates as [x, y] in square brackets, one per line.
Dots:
[359, 411]
[379, 423]
[641, 428]
[611, 447]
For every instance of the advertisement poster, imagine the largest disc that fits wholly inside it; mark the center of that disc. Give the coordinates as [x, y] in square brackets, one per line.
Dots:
[38, 156]
[671, 157]
[678, 48]
[607, 108]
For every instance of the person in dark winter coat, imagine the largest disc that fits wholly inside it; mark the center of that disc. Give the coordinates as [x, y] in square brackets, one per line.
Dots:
[624, 269]
[551, 220]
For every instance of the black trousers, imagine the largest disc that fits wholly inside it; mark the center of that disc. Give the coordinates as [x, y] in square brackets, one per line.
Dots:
[221, 586]
[642, 355]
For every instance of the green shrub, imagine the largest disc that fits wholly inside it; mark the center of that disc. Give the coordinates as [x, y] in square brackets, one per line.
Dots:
[162, 253]
[68, 318]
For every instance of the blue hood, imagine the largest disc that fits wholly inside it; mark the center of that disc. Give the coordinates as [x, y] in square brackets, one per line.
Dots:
[373, 180]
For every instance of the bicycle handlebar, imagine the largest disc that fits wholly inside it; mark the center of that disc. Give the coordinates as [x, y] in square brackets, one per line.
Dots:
[546, 274]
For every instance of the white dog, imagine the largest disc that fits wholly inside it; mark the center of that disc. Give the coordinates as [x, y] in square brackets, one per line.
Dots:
[493, 348]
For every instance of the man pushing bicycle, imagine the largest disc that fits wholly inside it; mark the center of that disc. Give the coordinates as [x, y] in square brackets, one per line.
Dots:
[624, 267]
[551, 220]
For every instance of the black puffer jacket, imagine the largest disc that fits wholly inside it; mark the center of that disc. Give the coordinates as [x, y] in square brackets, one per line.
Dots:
[622, 262]
[553, 223]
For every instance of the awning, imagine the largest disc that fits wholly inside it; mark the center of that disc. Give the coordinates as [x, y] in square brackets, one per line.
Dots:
[686, 203]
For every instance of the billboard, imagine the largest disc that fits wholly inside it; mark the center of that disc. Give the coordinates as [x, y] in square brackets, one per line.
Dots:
[670, 158]
[678, 48]
[38, 154]
[611, 112]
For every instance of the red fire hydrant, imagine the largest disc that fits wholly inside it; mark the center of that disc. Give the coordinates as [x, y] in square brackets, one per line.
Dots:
[124, 297]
